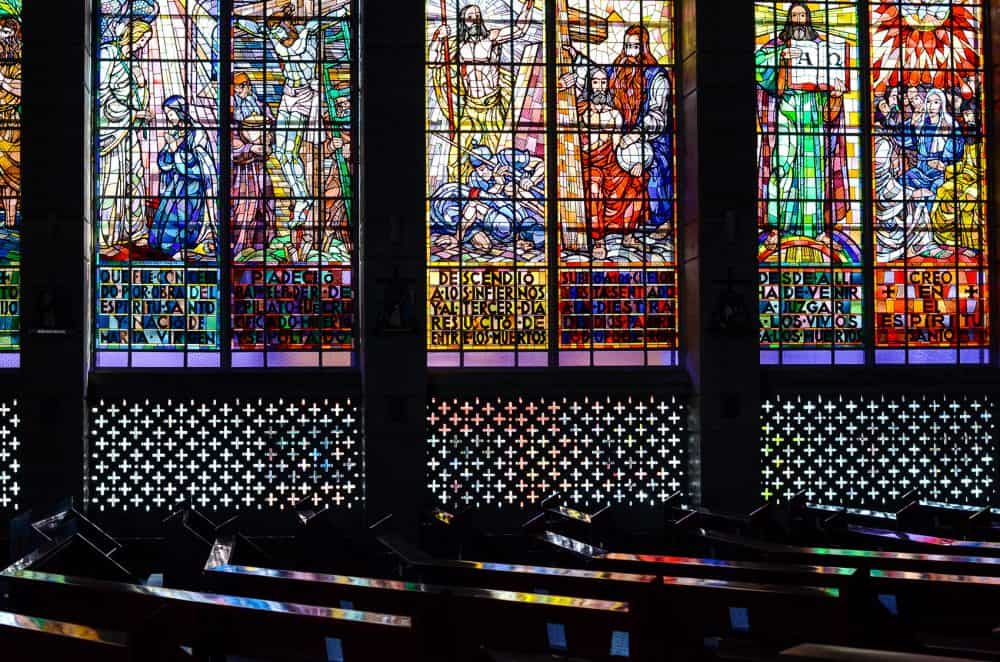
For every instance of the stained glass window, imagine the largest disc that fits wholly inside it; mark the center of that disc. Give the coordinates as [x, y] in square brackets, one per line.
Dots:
[517, 276]
[157, 179]
[929, 183]
[10, 182]
[167, 291]
[292, 184]
[894, 270]
[809, 213]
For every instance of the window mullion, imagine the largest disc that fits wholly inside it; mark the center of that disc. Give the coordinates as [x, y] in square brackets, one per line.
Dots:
[224, 243]
[552, 238]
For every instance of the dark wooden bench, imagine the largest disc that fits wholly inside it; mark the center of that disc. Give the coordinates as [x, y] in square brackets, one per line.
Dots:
[821, 653]
[30, 638]
[863, 559]
[542, 579]
[214, 623]
[709, 568]
[947, 612]
[919, 542]
[773, 615]
[464, 618]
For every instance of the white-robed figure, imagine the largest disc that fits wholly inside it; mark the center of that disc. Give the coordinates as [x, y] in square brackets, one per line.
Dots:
[123, 107]
[298, 120]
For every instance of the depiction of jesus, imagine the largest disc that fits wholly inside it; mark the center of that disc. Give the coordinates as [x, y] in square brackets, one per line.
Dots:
[297, 48]
[803, 154]
[477, 100]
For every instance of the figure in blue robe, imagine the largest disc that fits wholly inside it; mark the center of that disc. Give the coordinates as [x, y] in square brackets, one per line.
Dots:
[937, 144]
[184, 218]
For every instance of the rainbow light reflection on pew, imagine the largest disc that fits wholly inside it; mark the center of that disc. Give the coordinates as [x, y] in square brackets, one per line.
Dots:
[460, 591]
[723, 563]
[233, 601]
[854, 553]
[934, 577]
[923, 539]
[784, 589]
[555, 572]
[60, 628]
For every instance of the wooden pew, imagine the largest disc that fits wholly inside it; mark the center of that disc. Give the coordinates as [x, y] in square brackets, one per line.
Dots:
[863, 559]
[948, 613]
[820, 653]
[462, 618]
[918, 542]
[696, 610]
[679, 612]
[213, 623]
[29, 639]
[635, 588]
[709, 568]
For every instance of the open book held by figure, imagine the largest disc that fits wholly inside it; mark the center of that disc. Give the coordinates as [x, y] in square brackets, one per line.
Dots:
[817, 64]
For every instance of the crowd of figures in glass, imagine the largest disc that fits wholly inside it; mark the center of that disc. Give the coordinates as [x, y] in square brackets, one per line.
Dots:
[929, 181]
[488, 206]
[928, 211]
[158, 189]
[809, 171]
[10, 180]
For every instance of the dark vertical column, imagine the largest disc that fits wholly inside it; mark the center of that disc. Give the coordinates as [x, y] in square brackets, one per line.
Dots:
[55, 170]
[392, 262]
[717, 164]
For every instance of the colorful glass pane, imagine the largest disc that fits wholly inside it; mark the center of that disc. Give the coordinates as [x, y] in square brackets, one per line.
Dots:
[156, 210]
[502, 260]
[617, 211]
[292, 194]
[486, 183]
[809, 216]
[10, 182]
[929, 182]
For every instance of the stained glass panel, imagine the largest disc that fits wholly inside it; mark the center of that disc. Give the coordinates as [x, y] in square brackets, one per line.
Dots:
[486, 183]
[617, 230]
[502, 260]
[156, 210]
[292, 193]
[10, 182]
[929, 182]
[809, 216]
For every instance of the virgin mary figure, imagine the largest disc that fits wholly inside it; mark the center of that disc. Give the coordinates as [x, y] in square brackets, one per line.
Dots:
[185, 216]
